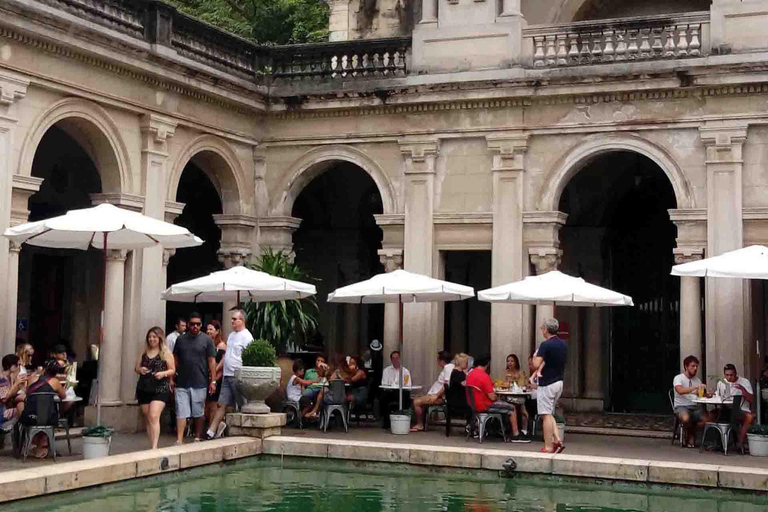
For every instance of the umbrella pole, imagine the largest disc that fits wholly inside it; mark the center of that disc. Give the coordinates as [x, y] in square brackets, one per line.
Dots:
[238, 299]
[400, 346]
[101, 330]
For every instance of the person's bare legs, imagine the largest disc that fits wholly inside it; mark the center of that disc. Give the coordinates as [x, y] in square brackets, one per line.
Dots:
[524, 415]
[181, 426]
[551, 436]
[318, 402]
[513, 422]
[152, 413]
[199, 424]
[689, 428]
[221, 411]
[746, 422]
[418, 408]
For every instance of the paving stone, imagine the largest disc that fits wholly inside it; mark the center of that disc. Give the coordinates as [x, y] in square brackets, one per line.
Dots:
[600, 467]
[755, 479]
[363, 451]
[15, 485]
[243, 447]
[527, 462]
[256, 420]
[165, 461]
[280, 445]
[86, 473]
[446, 456]
[199, 454]
[680, 473]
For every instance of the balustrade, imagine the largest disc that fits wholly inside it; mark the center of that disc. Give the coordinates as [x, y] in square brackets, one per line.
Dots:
[618, 40]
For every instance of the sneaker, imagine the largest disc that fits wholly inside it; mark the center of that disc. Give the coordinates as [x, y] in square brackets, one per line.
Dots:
[524, 432]
[220, 430]
[521, 439]
[177, 443]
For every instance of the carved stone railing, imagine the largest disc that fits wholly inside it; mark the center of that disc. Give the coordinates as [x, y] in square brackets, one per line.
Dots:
[619, 40]
[201, 42]
[127, 16]
[348, 59]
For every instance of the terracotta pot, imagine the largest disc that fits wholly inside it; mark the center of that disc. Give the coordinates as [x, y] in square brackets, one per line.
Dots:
[255, 384]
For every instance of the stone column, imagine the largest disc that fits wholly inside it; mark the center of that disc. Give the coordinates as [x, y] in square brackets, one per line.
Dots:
[428, 11]
[237, 235]
[338, 20]
[23, 187]
[507, 259]
[690, 309]
[420, 343]
[544, 261]
[231, 257]
[12, 89]
[725, 297]
[392, 259]
[110, 356]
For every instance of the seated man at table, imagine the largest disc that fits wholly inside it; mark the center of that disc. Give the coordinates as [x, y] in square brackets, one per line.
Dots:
[390, 381]
[436, 393]
[687, 386]
[391, 375]
[738, 386]
[480, 385]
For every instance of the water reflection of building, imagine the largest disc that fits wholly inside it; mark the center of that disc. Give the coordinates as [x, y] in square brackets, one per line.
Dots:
[489, 141]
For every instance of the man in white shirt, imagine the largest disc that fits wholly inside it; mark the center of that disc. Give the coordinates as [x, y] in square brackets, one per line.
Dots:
[391, 375]
[181, 328]
[738, 386]
[687, 386]
[435, 394]
[237, 341]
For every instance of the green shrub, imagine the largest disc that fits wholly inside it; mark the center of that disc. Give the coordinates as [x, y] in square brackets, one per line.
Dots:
[259, 353]
[761, 430]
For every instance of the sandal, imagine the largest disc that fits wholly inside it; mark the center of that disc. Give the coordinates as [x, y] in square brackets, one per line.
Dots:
[417, 429]
[558, 447]
[41, 453]
[544, 450]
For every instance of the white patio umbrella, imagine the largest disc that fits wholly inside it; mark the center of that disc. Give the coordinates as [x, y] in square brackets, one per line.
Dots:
[557, 289]
[400, 286]
[746, 263]
[104, 227]
[236, 283]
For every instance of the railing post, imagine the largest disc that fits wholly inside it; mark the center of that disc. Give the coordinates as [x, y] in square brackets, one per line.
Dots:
[159, 23]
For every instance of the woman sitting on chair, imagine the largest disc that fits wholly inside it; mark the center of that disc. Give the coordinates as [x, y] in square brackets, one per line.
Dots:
[44, 383]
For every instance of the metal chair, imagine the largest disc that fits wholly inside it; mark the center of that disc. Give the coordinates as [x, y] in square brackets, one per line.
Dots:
[335, 399]
[296, 411]
[454, 410]
[434, 409]
[677, 429]
[482, 418]
[725, 429]
[38, 408]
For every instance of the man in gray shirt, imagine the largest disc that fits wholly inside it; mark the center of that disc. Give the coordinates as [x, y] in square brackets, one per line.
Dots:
[194, 353]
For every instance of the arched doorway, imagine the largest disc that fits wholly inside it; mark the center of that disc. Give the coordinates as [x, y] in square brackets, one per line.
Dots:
[619, 235]
[337, 244]
[202, 201]
[60, 290]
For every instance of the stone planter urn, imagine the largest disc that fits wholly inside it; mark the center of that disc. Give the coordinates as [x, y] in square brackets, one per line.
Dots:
[255, 384]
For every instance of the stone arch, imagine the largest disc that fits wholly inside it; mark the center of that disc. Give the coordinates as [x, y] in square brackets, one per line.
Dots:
[219, 162]
[315, 162]
[90, 125]
[575, 160]
[568, 11]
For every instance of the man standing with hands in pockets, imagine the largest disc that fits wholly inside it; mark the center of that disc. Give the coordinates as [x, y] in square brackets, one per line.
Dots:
[549, 364]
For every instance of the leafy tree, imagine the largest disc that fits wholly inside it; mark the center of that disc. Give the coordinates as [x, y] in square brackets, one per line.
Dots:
[263, 21]
[282, 322]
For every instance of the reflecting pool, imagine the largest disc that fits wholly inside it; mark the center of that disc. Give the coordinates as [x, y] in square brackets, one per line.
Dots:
[334, 486]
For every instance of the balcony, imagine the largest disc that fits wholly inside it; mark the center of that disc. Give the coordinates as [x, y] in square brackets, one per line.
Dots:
[618, 40]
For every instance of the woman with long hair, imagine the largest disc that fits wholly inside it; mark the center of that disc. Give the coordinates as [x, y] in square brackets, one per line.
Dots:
[155, 367]
[25, 351]
[515, 375]
[43, 382]
[213, 330]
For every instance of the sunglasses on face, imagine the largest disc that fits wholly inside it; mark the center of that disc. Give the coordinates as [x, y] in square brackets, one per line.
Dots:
[198, 324]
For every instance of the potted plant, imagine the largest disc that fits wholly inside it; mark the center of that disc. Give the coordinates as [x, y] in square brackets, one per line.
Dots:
[259, 376]
[757, 437]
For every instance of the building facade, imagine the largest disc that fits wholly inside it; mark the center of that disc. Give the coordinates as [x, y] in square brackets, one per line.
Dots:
[479, 141]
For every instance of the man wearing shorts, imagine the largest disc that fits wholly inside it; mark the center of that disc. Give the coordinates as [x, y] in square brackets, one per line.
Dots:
[436, 393]
[238, 340]
[195, 370]
[480, 385]
[549, 362]
[686, 386]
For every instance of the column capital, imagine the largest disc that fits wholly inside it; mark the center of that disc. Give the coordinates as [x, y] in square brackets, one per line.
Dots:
[687, 254]
[167, 255]
[118, 255]
[14, 247]
[419, 155]
[392, 259]
[233, 256]
[508, 150]
[156, 131]
[173, 210]
[23, 187]
[545, 260]
[723, 143]
[12, 88]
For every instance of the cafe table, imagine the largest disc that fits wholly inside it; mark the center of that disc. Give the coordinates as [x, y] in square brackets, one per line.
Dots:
[517, 397]
[390, 399]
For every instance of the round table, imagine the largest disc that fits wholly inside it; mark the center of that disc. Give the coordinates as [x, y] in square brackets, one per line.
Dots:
[715, 400]
[509, 396]
[396, 388]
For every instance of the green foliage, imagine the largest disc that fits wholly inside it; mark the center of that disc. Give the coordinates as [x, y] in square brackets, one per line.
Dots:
[282, 322]
[98, 431]
[263, 21]
[761, 430]
[259, 353]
